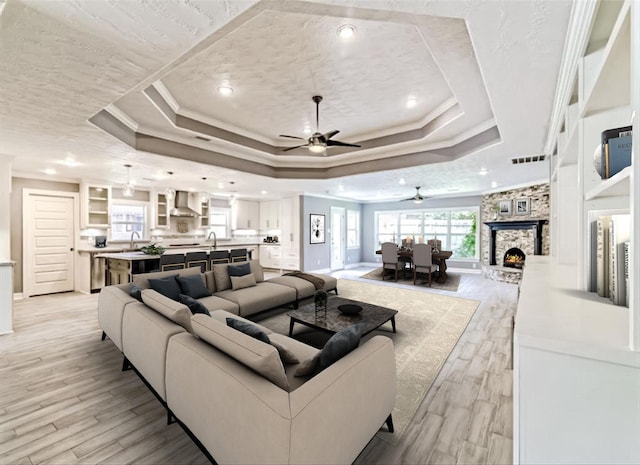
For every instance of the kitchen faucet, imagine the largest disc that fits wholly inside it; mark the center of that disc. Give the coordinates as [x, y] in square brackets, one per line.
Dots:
[215, 239]
[132, 244]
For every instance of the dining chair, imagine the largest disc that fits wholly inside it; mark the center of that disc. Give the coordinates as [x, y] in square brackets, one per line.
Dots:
[238, 255]
[390, 258]
[435, 243]
[422, 262]
[218, 257]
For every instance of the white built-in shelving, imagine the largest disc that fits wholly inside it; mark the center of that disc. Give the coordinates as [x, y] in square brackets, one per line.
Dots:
[576, 355]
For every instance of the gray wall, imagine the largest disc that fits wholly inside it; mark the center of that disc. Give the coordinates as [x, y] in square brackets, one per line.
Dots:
[318, 256]
[369, 245]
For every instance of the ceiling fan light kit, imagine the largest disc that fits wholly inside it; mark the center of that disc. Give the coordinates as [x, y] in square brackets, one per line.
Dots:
[318, 142]
[417, 199]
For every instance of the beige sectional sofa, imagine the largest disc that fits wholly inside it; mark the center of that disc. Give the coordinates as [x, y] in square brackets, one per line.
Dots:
[235, 396]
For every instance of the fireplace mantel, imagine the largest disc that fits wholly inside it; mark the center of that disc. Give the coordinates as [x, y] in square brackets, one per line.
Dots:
[495, 226]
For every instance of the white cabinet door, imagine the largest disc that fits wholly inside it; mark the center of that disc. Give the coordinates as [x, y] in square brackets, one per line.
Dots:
[246, 214]
[160, 207]
[290, 232]
[95, 205]
[269, 215]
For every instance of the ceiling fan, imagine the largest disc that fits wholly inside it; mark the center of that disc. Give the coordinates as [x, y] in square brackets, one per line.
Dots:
[416, 198]
[319, 142]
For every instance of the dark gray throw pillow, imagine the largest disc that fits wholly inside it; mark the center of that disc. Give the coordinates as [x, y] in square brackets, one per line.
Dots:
[239, 270]
[193, 286]
[167, 286]
[135, 291]
[339, 345]
[194, 305]
[248, 329]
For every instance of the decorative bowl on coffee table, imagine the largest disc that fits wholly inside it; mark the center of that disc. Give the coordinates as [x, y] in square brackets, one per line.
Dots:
[350, 309]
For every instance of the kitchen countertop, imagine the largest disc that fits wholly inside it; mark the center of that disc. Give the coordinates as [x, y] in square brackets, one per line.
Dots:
[124, 247]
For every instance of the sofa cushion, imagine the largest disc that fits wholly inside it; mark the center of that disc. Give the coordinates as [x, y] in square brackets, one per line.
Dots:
[262, 296]
[193, 286]
[142, 279]
[175, 311]
[167, 286]
[339, 345]
[260, 357]
[239, 270]
[135, 292]
[257, 270]
[248, 329]
[240, 282]
[195, 306]
[286, 354]
[221, 275]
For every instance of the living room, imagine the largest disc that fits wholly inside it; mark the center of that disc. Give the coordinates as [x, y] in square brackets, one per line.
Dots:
[89, 90]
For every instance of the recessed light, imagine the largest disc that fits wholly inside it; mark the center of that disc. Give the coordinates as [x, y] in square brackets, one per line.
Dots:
[306, 131]
[494, 184]
[346, 31]
[50, 171]
[402, 181]
[483, 171]
[412, 102]
[264, 192]
[225, 90]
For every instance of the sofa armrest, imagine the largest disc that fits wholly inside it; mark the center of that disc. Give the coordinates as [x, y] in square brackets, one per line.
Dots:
[112, 301]
[337, 412]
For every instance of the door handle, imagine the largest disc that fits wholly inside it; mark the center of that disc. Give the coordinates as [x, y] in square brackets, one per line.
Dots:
[71, 249]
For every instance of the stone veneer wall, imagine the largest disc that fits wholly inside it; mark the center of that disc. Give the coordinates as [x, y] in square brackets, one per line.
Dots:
[523, 239]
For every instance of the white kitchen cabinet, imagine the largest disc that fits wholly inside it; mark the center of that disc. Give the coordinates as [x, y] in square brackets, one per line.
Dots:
[576, 355]
[160, 207]
[95, 205]
[269, 215]
[205, 210]
[270, 256]
[290, 232]
[245, 214]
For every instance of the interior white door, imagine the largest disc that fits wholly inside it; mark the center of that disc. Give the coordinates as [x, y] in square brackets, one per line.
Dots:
[337, 238]
[48, 233]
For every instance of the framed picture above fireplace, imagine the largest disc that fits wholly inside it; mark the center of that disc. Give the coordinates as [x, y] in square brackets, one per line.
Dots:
[523, 206]
[505, 207]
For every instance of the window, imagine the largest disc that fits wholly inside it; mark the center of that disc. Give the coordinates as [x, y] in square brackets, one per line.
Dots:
[128, 218]
[219, 222]
[353, 229]
[456, 228]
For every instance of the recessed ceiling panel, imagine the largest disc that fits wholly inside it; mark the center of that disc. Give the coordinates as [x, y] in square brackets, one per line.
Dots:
[277, 61]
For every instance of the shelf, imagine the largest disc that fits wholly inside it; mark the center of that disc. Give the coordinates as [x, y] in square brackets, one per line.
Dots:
[606, 72]
[615, 186]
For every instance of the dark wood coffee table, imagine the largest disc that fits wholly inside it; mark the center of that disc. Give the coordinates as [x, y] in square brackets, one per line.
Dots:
[371, 316]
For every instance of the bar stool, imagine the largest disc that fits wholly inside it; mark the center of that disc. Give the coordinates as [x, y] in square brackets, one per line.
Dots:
[170, 262]
[195, 259]
[217, 257]
[238, 255]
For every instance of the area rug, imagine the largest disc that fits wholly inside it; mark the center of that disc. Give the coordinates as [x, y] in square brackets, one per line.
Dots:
[451, 284]
[428, 327]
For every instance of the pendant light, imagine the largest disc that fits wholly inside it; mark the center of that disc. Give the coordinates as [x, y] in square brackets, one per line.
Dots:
[129, 189]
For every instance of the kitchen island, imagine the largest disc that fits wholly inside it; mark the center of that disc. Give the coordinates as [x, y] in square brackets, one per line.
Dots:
[121, 266]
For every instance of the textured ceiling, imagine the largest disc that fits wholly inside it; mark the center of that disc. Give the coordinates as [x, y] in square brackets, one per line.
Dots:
[106, 83]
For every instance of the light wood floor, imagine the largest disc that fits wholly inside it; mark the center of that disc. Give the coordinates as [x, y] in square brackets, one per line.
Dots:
[64, 399]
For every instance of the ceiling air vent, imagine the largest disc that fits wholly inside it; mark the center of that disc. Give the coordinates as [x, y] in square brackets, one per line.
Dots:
[206, 139]
[529, 159]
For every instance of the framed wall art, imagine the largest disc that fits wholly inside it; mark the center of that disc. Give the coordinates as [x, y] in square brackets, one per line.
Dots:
[317, 229]
[523, 206]
[505, 207]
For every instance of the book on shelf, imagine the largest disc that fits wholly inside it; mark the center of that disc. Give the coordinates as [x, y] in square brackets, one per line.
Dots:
[626, 269]
[619, 234]
[616, 151]
[603, 224]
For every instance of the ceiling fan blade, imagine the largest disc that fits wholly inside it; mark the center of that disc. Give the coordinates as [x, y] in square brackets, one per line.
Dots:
[296, 147]
[330, 134]
[341, 144]
[292, 137]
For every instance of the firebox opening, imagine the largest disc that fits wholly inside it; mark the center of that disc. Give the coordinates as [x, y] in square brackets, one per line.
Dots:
[514, 258]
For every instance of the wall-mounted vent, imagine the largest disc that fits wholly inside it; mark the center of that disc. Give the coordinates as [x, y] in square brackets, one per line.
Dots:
[530, 159]
[206, 139]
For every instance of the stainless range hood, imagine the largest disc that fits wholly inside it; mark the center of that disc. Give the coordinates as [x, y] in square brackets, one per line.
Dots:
[186, 204]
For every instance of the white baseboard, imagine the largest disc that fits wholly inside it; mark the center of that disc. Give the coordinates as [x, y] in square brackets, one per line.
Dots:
[18, 296]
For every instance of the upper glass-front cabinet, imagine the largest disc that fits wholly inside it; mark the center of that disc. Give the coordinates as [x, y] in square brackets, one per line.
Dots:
[95, 205]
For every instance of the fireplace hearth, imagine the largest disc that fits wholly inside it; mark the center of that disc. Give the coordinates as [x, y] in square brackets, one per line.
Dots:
[514, 258]
[495, 226]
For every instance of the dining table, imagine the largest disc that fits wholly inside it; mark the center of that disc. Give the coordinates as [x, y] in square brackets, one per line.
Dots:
[438, 257]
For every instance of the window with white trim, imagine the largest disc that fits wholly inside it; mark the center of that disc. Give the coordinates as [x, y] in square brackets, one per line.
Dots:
[219, 222]
[128, 217]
